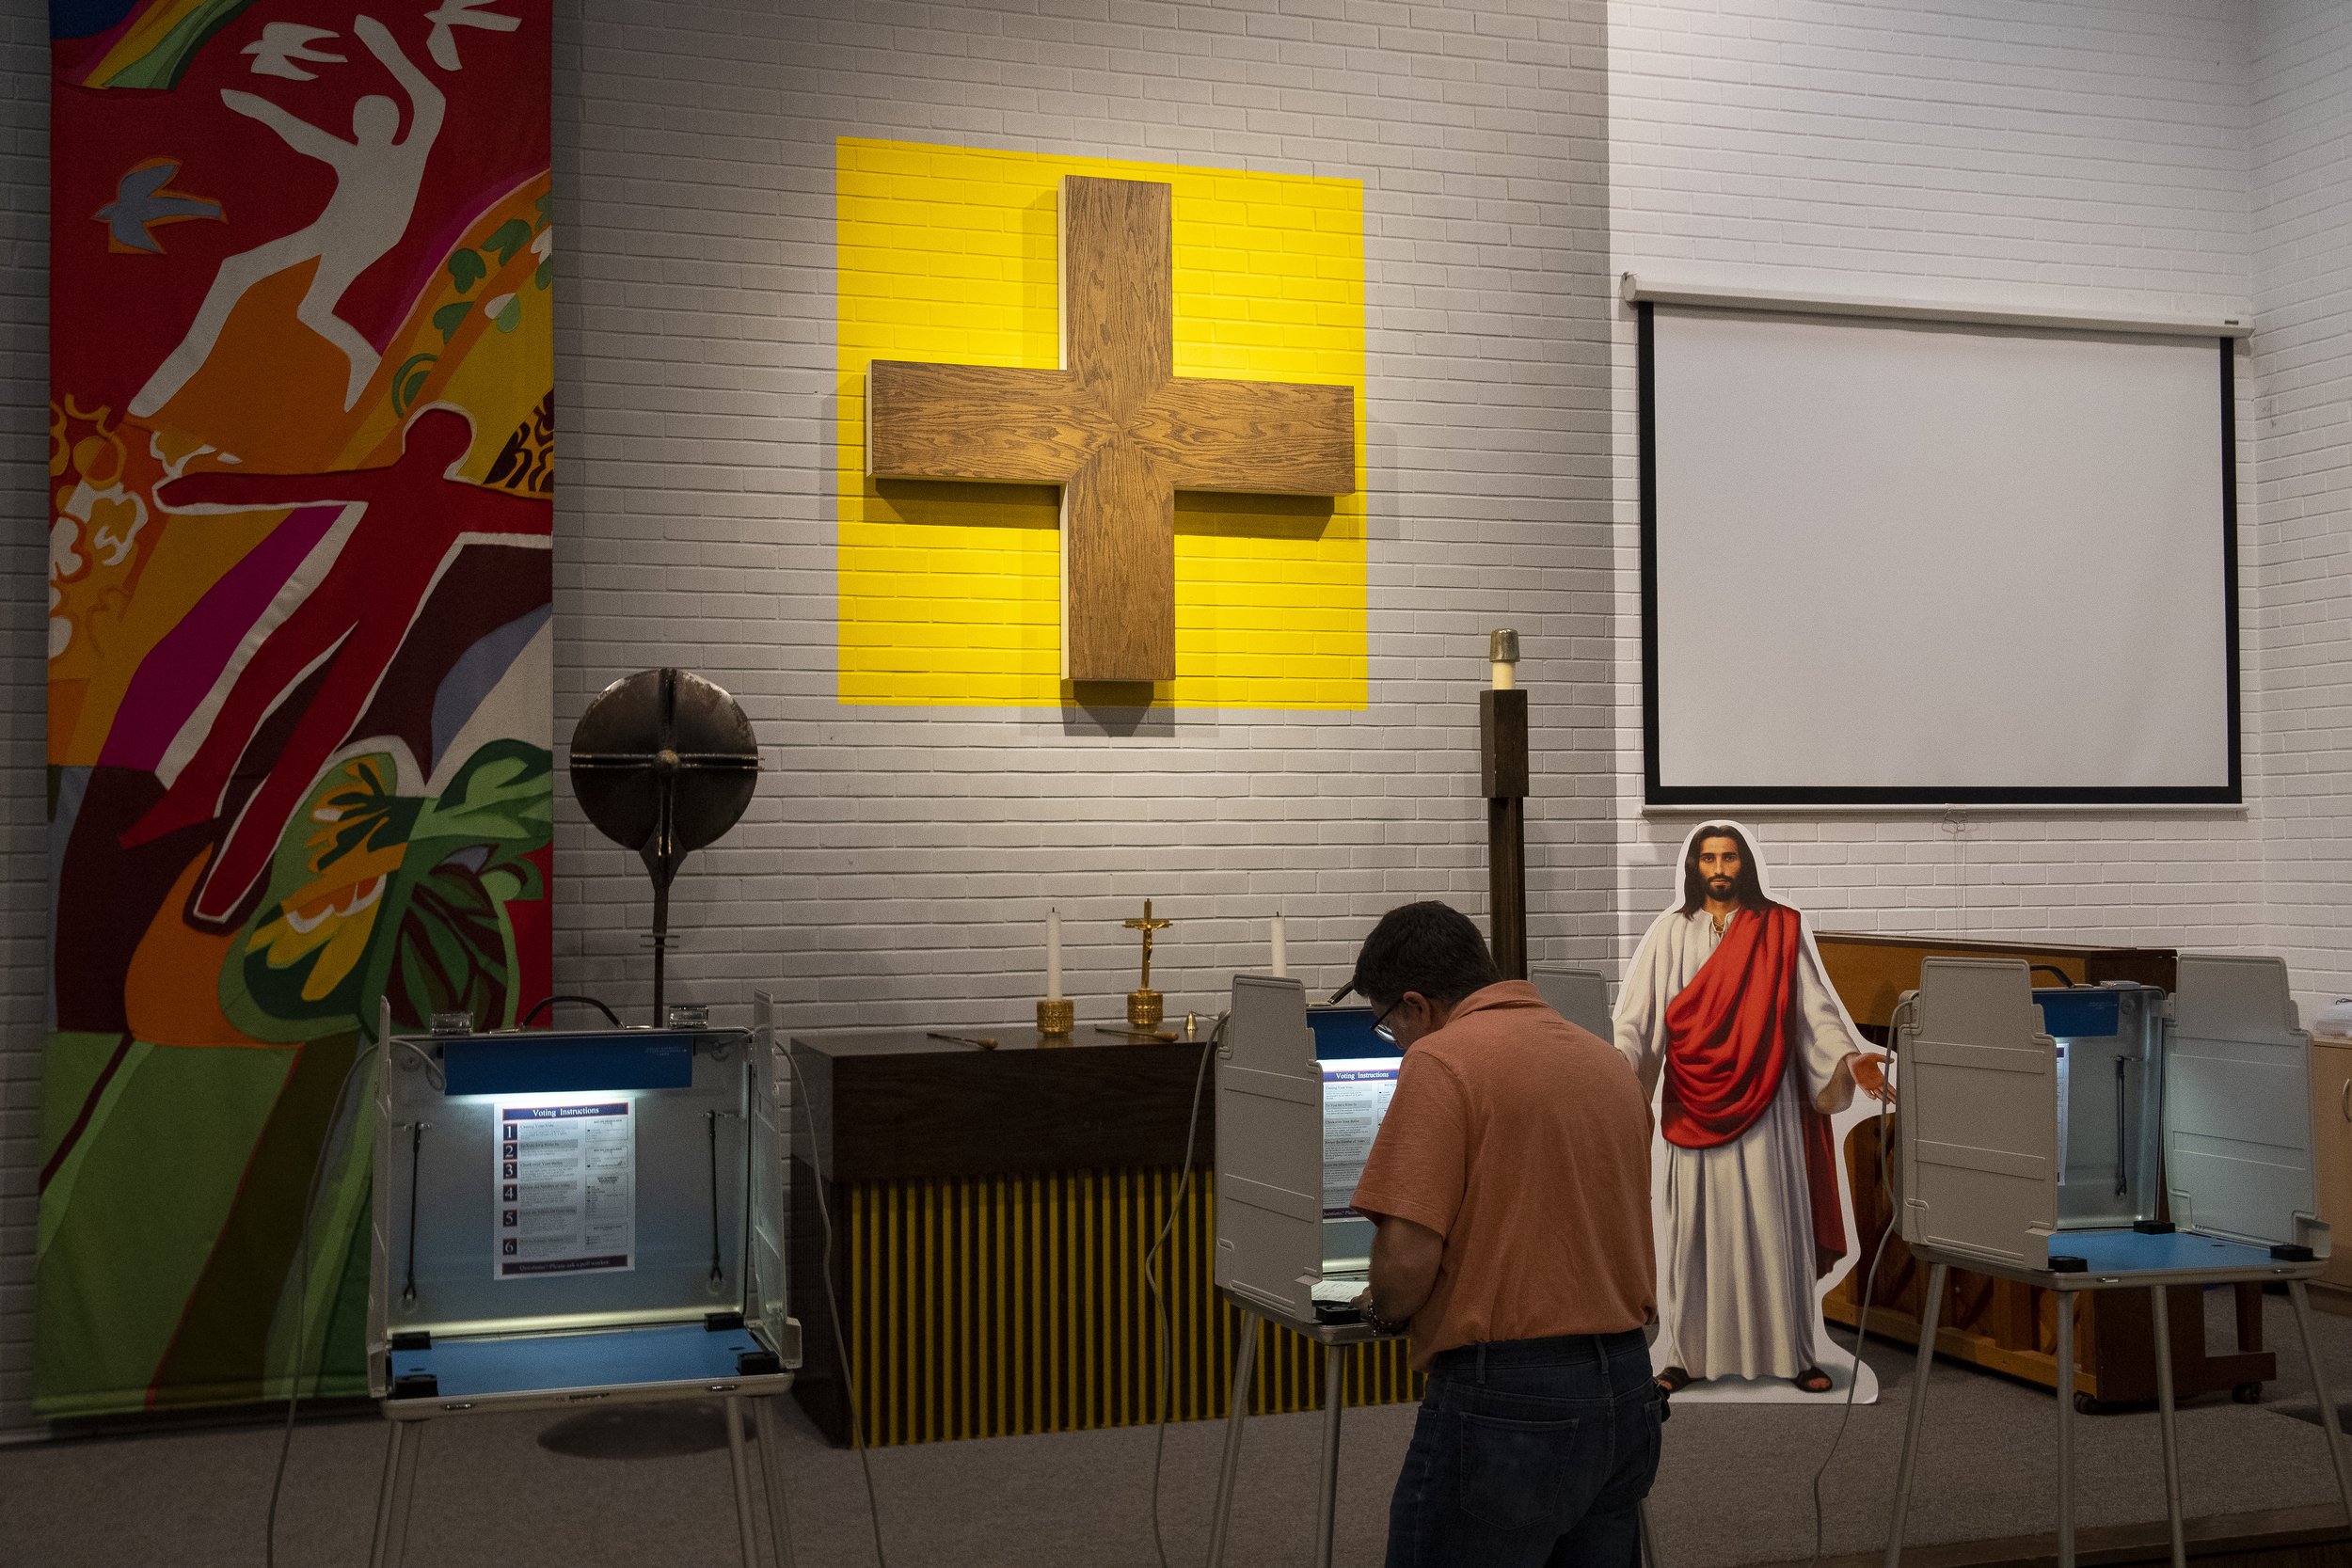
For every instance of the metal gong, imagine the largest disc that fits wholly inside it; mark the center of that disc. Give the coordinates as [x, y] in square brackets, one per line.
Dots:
[664, 762]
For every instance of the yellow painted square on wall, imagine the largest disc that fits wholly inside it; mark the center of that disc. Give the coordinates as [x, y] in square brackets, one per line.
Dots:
[951, 592]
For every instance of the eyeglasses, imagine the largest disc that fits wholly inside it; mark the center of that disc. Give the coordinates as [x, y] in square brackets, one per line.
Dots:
[1380, 1025]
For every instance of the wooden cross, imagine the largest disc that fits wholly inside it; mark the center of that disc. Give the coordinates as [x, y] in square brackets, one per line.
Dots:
[1115, 427]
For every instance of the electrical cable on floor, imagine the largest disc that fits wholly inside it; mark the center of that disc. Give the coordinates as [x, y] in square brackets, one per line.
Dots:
[1869, 1286]
[361, 1058]
[1163, 1349]
[832, 1308]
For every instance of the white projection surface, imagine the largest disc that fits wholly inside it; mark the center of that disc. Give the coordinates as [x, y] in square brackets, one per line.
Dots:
[1924, 563]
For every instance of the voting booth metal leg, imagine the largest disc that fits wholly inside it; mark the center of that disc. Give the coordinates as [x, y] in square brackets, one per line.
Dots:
[1328, 1499]
[742, 1466]
[1236, 1411]
[394, 1439]
[1918, 1415]
[2328, 1422]
[2066, 1427]
[2168, 1427]
[770, 1431]
[393, 1495]
[1650, 1542]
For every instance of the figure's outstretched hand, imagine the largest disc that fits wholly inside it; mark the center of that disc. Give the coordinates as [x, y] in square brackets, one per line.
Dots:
[1869, 1075]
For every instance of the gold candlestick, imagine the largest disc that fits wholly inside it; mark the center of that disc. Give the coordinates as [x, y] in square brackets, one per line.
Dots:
[1144, 1004]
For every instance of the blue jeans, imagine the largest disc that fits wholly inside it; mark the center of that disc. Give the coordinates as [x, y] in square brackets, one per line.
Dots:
[1529, 1454]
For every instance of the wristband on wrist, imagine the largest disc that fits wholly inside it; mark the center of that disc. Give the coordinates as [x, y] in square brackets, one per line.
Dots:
[1379, 1324]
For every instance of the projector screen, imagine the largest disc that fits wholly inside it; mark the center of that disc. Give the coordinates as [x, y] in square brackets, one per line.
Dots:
[1899, 563]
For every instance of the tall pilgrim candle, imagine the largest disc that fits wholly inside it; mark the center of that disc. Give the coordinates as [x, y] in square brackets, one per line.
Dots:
[1053, 956]
[1281, 949]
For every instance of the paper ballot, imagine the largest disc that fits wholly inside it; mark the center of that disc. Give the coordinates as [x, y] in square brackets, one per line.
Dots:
[566, 1186]
[1356, 1095]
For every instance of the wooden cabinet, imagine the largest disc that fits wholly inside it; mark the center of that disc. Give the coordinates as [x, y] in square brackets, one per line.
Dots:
[2331, 1151]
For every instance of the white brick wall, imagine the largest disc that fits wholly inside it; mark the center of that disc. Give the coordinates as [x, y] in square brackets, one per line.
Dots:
[2085, 154]
[2302, 258]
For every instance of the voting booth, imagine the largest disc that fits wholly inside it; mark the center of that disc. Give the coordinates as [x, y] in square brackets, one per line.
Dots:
[2101, 1138]
[573, 1218]
[2075, 1127]
[1578, 994]
[1301, 1092]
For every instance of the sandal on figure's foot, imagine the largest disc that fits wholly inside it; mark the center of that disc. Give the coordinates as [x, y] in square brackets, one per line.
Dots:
[1814, 1381]
[1673, 1380]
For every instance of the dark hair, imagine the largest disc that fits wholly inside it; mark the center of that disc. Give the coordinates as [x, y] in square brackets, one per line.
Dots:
[1428, 948]
[1747, 888]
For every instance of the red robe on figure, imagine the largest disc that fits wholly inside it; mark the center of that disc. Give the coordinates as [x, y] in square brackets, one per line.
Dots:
[1728, 1046]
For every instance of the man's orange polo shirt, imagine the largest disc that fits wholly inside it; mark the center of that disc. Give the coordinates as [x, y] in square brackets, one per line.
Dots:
[1524, 1141]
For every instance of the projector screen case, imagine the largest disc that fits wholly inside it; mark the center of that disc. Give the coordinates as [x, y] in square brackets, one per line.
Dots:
[1891, 564]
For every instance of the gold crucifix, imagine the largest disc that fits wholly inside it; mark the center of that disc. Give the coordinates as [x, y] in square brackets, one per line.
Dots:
[1115, 427]
[1143, 1003]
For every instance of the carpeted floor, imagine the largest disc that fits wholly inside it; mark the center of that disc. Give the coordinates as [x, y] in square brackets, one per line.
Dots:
[523, 1490]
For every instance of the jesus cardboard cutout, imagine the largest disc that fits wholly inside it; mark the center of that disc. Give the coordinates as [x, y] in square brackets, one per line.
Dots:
[1730, 1024]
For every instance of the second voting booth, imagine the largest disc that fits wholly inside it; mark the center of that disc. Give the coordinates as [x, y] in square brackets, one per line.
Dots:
[565, 1218]
[2107, 1137]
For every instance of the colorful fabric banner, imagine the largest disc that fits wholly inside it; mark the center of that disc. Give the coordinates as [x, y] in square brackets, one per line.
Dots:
[301, 436]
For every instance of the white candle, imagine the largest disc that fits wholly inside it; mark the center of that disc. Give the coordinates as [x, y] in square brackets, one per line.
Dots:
[1281, 949]
[1053, 956]
[1502, 652]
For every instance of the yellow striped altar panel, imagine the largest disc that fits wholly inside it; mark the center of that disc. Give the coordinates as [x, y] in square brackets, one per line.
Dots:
[988, 1307]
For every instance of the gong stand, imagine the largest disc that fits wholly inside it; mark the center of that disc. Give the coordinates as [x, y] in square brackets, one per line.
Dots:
[664, 763]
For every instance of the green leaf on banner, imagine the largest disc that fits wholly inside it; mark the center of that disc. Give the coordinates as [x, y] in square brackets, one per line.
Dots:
[409, 380]
[505, 794]
[378, 894]
[546, 273]
[466, 268]
[508, 238]
[449, 318]
[511, 317]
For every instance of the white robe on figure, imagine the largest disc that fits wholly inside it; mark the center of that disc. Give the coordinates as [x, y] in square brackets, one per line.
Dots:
[1734, 1244]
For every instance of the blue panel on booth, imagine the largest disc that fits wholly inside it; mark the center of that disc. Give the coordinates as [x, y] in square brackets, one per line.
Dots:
[615, 1358]
[1344, 1033]
[557, 1064]
[2079, 1015]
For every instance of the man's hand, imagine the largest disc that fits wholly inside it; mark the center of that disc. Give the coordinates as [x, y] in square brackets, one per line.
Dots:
[1405, 1260]
[1869, 1075]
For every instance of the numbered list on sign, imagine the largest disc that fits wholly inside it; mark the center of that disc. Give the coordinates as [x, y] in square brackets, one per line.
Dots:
[567, 1180]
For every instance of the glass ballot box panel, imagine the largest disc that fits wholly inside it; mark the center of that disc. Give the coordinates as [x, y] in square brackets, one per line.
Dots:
[2108, 1042]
